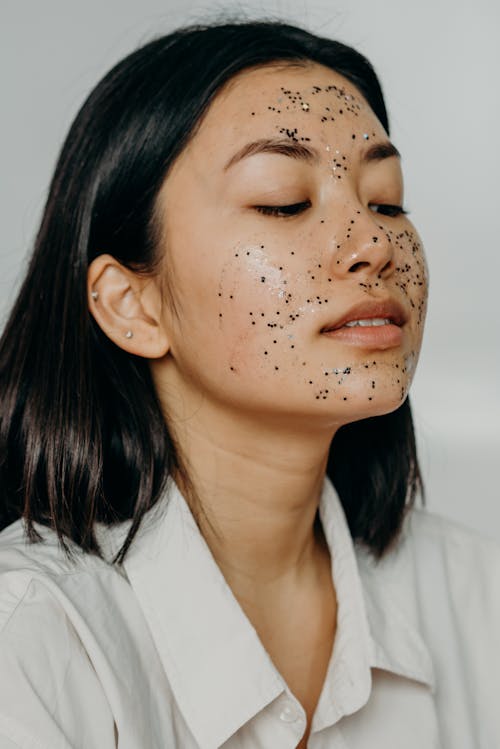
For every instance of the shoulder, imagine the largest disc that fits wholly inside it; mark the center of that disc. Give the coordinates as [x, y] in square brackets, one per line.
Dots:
[72, 632]
[72, 599]
[428, 539]
[40, 583]
[438, 567]
[62, 605]
[461, 549]
[456, 569]
[26, 566]
[443, 578]
[79, 586]
[438, 551]
[45, 646]
[44, 566]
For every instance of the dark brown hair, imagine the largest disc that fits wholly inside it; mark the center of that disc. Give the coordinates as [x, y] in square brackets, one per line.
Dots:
[82, 435]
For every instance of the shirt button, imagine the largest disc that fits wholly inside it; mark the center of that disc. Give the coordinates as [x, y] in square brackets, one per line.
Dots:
[289, 713]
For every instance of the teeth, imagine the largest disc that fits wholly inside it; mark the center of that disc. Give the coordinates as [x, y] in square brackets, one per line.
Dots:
[374, 321]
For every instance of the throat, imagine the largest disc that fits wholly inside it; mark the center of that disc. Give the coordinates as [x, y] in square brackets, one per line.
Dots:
[298, 632]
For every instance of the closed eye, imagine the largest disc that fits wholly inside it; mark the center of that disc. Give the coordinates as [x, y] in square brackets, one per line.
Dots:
[387, 209]
[283, 211]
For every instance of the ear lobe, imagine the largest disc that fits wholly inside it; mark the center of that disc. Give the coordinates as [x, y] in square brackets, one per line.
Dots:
[127, 307]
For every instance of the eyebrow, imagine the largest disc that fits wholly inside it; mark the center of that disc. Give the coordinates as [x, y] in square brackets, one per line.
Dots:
[273, 145]
[380, 151]
[309, 154]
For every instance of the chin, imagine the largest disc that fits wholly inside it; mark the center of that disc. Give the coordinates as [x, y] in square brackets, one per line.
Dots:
[364, 406]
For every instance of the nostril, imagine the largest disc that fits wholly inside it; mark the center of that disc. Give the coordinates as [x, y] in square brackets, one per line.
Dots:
[387, 266]
[357, 266]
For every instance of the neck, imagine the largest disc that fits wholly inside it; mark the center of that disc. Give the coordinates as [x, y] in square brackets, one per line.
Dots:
[259, 487]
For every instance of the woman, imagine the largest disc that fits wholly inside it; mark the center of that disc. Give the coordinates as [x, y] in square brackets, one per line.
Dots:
[208, 463]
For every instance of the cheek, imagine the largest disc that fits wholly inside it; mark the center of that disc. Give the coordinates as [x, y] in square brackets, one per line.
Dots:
[411, 273]
[270, 299]
[234, 306]
[256, 305]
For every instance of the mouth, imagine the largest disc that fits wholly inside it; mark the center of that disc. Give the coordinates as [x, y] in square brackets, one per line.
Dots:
[373, 325]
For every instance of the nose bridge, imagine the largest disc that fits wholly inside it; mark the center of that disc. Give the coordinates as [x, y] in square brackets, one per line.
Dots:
[366, 246]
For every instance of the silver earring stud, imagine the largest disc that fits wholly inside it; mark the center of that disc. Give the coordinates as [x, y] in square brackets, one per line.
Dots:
[94, 295]
[128, 334]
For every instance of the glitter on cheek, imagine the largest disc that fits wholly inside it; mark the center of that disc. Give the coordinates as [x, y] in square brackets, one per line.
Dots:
[263, 270]
[410, 363]
[260, 288]
[411, 272]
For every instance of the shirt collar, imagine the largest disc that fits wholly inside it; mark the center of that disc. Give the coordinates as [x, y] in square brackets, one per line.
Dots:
[383, 595]
[208, 646]
[220, 674]
[390, 595]
[377, 617]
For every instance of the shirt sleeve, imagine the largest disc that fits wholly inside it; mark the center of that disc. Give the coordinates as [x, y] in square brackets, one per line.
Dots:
[50, 695]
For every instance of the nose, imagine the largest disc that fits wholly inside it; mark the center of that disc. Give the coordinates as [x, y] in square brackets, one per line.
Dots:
[366, 249]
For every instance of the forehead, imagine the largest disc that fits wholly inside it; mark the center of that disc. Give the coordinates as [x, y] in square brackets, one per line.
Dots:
[284, 98]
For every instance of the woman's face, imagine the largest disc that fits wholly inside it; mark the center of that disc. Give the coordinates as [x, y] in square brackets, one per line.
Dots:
[299, 286]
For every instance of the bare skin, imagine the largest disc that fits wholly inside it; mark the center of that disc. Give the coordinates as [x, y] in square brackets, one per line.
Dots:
[252, 385]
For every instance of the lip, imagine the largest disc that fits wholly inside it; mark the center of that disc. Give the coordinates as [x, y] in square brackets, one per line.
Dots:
[375, 337]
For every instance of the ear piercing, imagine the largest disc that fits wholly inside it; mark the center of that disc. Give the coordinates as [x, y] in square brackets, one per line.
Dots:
[95, 297]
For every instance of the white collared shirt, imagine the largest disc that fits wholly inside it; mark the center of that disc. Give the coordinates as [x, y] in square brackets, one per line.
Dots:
[160, 655]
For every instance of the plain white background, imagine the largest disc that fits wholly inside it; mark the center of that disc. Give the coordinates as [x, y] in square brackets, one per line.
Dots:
[439, 62]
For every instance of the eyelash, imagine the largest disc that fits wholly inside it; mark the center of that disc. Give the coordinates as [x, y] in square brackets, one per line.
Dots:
[287, 211]
[281, 210]
[389, 210]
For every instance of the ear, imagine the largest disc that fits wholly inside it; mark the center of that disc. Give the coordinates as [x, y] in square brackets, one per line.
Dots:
[127, 306]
